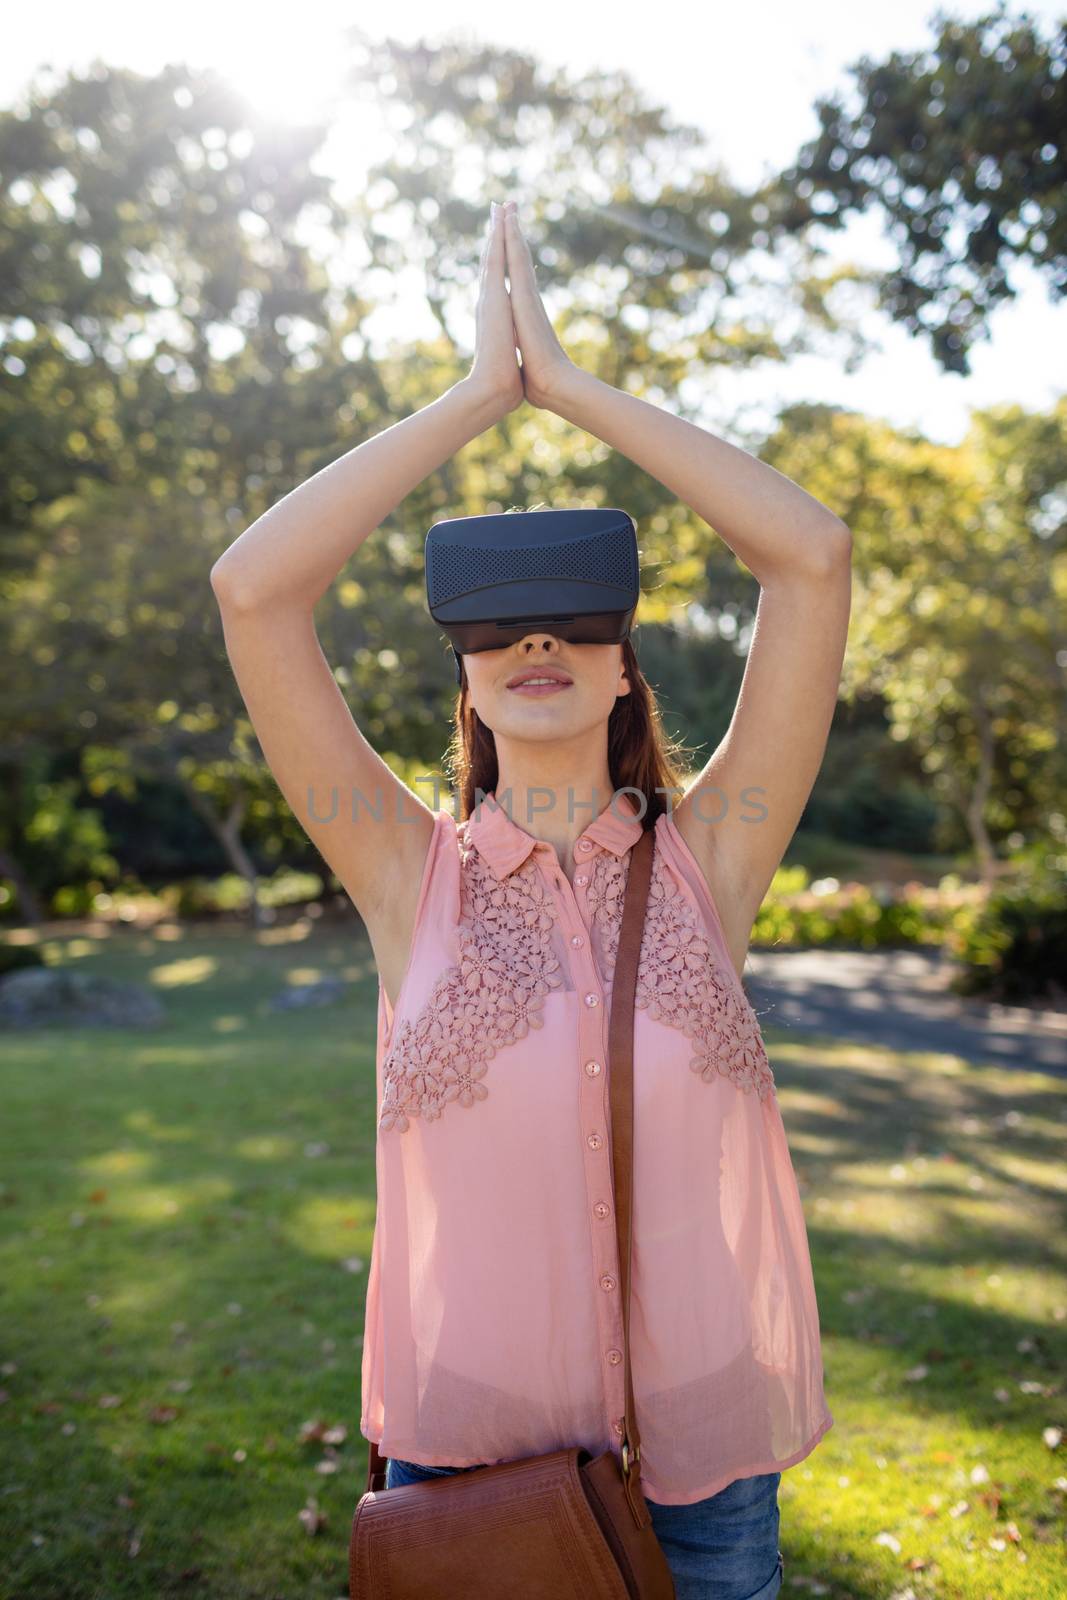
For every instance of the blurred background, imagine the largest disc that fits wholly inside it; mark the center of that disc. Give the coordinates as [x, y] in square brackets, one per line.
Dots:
[233, 246]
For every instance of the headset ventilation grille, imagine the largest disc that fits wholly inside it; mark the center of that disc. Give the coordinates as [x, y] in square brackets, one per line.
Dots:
[454, 568]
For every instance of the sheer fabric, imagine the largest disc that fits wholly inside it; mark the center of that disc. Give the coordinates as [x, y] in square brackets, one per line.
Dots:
[493, 1316]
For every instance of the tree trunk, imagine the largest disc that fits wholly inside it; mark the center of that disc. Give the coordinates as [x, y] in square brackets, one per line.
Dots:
[25, 894]
[974, 810]
[227, 830]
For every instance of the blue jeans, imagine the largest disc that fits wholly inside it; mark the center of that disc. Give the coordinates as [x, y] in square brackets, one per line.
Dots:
[721, 1548]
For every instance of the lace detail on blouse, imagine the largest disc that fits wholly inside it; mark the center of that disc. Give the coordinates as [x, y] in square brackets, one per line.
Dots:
[492, 996]
[678, 978]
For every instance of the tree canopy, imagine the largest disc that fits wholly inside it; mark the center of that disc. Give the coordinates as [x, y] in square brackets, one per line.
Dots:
[189, 331]
[960, 147]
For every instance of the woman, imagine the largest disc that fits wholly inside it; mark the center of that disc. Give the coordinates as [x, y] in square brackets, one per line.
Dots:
[493, 1327]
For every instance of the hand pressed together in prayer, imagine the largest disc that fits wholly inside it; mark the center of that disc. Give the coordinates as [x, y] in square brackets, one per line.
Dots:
[513, 323]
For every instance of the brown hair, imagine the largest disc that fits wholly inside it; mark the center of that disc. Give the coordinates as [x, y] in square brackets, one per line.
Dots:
[640, 755]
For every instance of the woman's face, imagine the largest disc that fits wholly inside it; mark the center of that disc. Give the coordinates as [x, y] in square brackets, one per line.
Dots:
[593, 676]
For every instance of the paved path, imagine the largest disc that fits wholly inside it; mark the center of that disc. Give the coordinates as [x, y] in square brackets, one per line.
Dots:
[899, 998]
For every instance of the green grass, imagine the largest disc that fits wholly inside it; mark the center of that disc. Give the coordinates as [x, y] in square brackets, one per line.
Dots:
[171, 1240]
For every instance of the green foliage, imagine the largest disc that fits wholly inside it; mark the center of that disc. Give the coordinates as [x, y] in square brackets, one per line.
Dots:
[47, 825]
[1010, 944]
[1014, 945]
[859, 915]
[78, 899]
[960, 588]
[870, 789]
[14, 957]
[205, 897]
[695, 674]
[137, 446]
[681, 245]
[961, 147]
[900, 816]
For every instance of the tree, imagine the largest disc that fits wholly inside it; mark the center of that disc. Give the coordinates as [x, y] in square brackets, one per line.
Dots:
[177, 357]
[959, 616]
[961, 147]
[172, 364]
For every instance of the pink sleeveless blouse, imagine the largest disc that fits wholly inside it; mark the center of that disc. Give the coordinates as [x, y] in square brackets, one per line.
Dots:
[493, 1315]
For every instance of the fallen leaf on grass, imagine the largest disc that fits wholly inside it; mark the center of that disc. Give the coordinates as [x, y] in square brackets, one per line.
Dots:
[311, 1517]
[318, 1431]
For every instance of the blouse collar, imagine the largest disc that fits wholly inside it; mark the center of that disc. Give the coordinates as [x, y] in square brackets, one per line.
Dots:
[505, 846]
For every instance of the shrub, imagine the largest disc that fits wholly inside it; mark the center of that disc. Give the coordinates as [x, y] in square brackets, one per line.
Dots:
[13, 957]
[870, 916]
[1014, 946]
[206, 897]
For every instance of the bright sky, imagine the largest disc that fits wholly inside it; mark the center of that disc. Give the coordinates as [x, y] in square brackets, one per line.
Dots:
[747, 76]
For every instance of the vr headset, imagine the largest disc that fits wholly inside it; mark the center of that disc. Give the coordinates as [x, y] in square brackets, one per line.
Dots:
[573, 573]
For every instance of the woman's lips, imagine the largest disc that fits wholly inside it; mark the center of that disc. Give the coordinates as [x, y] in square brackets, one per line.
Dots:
[534, 689]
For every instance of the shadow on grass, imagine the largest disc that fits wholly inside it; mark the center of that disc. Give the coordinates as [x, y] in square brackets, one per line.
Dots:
[186, 1230]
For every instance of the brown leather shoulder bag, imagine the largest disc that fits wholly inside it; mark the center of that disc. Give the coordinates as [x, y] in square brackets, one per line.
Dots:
[561, 1526]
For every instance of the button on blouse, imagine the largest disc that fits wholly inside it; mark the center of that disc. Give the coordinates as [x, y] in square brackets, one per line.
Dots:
[494, 1322]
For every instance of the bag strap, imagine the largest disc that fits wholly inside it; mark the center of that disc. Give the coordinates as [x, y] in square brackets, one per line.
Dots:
[621, 1111]
[621, 1092]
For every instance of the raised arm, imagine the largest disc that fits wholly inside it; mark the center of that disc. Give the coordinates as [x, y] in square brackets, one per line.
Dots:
[267, 584]
[800, 553]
